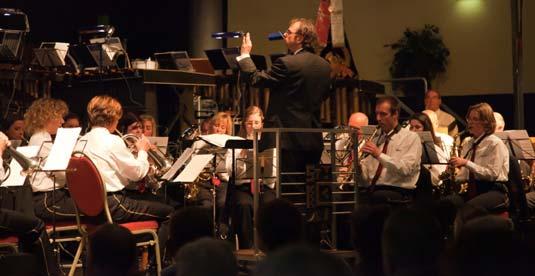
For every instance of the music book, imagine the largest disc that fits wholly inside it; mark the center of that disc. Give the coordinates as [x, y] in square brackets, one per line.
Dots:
[194, 168]
[15, 176]
[518, 143]
[61, 151]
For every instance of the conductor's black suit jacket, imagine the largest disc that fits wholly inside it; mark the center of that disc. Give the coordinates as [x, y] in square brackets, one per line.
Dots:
[298, 84]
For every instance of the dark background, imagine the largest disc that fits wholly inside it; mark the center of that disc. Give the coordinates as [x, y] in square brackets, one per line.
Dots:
[153, 26]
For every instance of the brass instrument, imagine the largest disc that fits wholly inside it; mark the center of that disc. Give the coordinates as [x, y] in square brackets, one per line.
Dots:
[449, 184]
[159, 162]
[343, 179]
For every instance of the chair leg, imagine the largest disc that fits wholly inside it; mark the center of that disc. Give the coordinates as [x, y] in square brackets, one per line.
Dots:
[77, 257]
[156, 246]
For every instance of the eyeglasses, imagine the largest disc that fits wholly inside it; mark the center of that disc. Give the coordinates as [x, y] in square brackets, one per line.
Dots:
[289, 32]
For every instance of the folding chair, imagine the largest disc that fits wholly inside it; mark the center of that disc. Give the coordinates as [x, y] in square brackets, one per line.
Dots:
[90, 198]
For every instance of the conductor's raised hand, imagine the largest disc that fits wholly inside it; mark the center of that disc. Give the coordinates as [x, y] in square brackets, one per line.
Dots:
[246, 45]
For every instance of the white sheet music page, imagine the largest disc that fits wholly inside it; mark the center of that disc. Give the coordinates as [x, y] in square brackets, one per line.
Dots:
[219, 140]
[194, 168]
[178, 164]
[61, 151]
[160, 142]
[15, 176]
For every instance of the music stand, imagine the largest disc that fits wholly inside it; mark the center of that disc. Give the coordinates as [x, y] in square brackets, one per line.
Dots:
[518, 143]
[224, 58]
[178, 60]
[51, 54]
[429, 153]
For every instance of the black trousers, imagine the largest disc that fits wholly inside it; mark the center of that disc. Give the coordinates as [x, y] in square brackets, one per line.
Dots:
[58, 204]
[242, 216]
[387, 194]
[33, 238]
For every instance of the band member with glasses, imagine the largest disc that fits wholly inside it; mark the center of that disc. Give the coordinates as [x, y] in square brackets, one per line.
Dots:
[298, 84]
[484, 161]
[391, 169]
[243, 192]
[51, 198]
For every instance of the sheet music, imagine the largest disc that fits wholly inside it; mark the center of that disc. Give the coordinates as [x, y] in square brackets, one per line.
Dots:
[160, 142]
[15, 176]
[429, 153]
[521, 144]
[61, 151]
[219, 140]
[178, 164]
[194, 168]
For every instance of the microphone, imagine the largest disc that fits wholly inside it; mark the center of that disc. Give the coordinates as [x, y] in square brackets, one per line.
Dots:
[275, 36]
[227, 35]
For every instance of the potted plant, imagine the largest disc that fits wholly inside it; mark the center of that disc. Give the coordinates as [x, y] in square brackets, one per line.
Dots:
[419, 53]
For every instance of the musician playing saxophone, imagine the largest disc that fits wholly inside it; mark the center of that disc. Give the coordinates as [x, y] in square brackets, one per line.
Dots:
[484, 161]
[392, 167]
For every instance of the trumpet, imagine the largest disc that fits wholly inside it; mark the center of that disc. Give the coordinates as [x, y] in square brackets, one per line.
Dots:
[361, 154]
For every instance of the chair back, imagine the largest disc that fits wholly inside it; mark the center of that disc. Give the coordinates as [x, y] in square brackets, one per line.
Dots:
[85, 186]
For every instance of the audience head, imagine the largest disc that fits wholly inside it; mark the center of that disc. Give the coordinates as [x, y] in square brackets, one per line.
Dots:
[150, 128]
[500, 123]
[279, 224]
[480, 118]
[301, 260]
[367, 225]
[112, 251]
[221, 123]
[71, 120]
[104, 111]
[301, 33]
[432, 100]
[253, 119]
[45, 115]
[131, 124]
[199, 224]
[412, 243]
[13, 127]
[387, 113]
[206, 257]
[485, 246]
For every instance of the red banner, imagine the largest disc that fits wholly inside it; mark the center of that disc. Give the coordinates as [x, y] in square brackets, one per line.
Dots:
[323, 22]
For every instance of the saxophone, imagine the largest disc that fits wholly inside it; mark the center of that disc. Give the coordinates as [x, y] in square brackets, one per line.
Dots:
[449, 184]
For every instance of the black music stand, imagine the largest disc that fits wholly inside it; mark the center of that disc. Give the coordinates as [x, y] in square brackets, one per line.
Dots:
[178, 60]
[429, 153]
[518, 143]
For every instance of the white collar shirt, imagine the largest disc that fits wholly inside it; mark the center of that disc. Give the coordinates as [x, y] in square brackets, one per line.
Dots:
[114, 161]
[491, 162]
[401, 162]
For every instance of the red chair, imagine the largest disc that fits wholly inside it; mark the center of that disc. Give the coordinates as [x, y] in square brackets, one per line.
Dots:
[90, 198]
[10, 242]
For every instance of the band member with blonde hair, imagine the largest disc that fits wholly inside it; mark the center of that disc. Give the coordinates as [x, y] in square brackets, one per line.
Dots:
[243, 193]
[117, 165]
[150, 128]
[42, 120]
[30, 230]
[221, 123]
[484, 161]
